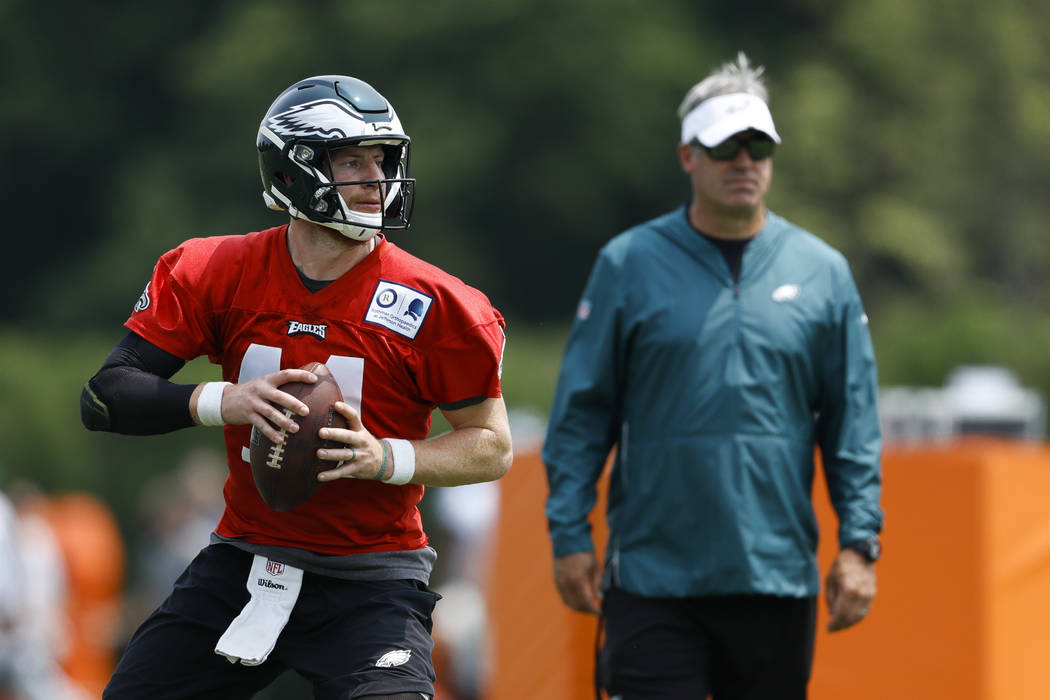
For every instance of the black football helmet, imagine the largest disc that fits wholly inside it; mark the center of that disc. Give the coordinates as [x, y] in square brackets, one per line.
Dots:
[312, 118]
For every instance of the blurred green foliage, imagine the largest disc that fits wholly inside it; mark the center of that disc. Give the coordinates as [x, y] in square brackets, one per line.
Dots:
[916, 140]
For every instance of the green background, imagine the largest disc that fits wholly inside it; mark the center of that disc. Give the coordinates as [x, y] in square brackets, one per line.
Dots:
[916, 140]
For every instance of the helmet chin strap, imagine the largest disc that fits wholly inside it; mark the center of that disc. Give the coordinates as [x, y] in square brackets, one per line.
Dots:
[357, 233]
[353, 230]
[346, 228]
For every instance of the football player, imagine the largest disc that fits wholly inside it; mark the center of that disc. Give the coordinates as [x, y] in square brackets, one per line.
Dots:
[335, 588]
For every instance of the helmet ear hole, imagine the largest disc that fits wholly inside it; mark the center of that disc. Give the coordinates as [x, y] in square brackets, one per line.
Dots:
[391, 160]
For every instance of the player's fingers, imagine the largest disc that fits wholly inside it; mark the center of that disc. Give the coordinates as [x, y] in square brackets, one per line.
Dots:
[286, 401]
[282, 419]
[291, 375]
[272, 433]
[344, 468]
[339, 472]
[343, 435]
[349, 454]
[353, 419]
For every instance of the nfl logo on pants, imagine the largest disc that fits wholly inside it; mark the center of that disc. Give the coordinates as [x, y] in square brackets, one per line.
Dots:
[274, 568]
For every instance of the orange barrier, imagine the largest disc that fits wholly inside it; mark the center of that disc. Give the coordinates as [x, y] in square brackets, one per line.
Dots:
[540, 648]
[963, 610]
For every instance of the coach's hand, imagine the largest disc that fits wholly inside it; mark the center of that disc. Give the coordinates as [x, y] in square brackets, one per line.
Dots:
[850, 590]
[579, 581]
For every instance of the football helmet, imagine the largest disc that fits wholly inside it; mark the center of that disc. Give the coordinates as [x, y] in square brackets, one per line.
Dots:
[304, 125]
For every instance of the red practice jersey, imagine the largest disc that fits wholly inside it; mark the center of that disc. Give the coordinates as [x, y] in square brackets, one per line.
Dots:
[401, 337]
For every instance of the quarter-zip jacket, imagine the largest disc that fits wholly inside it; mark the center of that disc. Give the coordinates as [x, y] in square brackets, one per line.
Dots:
[716, 395]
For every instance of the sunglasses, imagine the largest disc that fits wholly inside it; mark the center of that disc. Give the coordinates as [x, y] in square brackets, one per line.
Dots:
[758, 148]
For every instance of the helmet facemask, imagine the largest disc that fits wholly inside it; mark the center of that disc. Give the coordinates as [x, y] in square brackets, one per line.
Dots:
[310, 121]
[326, 206]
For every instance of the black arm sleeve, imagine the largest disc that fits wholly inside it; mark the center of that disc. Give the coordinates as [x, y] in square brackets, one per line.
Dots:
[131, 394]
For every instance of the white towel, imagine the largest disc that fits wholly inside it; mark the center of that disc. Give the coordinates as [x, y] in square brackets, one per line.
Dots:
[274, 588]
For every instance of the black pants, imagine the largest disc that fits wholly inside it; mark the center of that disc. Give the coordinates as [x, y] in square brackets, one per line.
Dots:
[746, 647]
[337, 632]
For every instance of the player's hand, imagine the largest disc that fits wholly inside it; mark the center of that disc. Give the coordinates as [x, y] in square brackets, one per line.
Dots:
[361, 458]
[579, 581]
[850, 590]
[250, 403]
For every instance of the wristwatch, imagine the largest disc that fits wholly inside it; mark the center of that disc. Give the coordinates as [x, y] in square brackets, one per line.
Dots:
[870, 548]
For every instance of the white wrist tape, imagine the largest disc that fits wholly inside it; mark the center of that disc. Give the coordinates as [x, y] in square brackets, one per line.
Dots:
[209, 403]
[404, 456]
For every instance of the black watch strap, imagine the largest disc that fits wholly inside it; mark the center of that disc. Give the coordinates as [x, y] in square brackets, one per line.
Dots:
[870, 548]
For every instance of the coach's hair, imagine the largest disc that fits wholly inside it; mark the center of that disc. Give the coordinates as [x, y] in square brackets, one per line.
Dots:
[729, 78]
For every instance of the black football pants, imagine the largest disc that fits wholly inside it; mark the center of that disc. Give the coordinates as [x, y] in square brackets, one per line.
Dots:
[741, 647]
[337, 630]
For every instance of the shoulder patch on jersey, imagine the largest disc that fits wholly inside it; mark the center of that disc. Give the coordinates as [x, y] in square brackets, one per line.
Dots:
[399, 308]
[143, 303]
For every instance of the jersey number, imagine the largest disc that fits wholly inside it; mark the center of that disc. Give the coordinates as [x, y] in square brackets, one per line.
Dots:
[349, 373]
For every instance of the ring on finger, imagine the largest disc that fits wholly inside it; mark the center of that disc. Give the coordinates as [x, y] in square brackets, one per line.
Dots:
[353, 453]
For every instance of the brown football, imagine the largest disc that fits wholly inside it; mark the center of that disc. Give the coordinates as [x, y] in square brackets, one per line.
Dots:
[286, 474]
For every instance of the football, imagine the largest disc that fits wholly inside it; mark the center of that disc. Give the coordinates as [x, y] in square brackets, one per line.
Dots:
[286, 474]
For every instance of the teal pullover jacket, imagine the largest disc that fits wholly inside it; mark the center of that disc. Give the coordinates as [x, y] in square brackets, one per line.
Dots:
[716, 395]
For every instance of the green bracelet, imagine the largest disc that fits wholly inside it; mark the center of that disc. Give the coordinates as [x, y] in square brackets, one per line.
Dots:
[382, 467]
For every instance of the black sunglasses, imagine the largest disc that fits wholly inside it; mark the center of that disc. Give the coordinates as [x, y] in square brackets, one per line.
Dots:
[758, 148]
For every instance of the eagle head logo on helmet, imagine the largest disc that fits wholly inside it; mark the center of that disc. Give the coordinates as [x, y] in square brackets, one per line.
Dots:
[300, 129]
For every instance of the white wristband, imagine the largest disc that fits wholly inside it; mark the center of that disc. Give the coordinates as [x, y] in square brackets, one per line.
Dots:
[404, 456]
[209, 403]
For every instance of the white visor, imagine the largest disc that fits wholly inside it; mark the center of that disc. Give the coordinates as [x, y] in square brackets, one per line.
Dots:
[717, 118]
